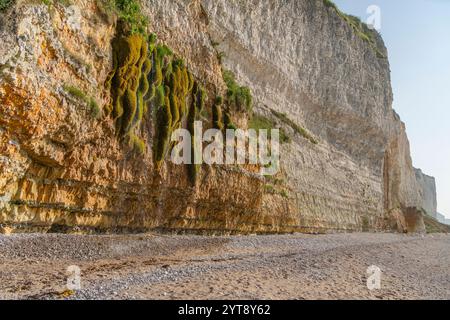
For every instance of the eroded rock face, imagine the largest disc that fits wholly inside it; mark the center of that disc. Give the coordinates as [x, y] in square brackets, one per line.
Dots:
[427, 186]
[63, 170]
[303, 59]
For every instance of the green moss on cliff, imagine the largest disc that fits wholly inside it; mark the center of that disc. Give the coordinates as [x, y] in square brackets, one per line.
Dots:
[137, 144]
[75, 92]
[89, 101]
[259, 122]
[148, 79]
[172, 94]
[238, 97]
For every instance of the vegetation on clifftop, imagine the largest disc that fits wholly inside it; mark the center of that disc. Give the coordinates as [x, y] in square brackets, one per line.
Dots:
[361, 29]
[148, 77]
[259, 122]
[149, 82]
[238, 99]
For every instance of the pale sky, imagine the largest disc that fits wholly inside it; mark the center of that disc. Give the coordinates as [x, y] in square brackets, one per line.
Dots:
[417, 34]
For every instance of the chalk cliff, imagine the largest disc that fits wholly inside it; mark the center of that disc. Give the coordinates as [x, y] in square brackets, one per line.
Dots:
[427, 187]
[317, 74]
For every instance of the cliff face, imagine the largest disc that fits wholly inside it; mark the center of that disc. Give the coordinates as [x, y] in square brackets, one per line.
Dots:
[427, 187]
[63, 169]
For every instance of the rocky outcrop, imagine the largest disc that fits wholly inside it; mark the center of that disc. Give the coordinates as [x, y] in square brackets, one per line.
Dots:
[63, 169]
[427, 186]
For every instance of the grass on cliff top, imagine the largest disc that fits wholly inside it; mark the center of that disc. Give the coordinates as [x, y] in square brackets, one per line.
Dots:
[361, 29]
